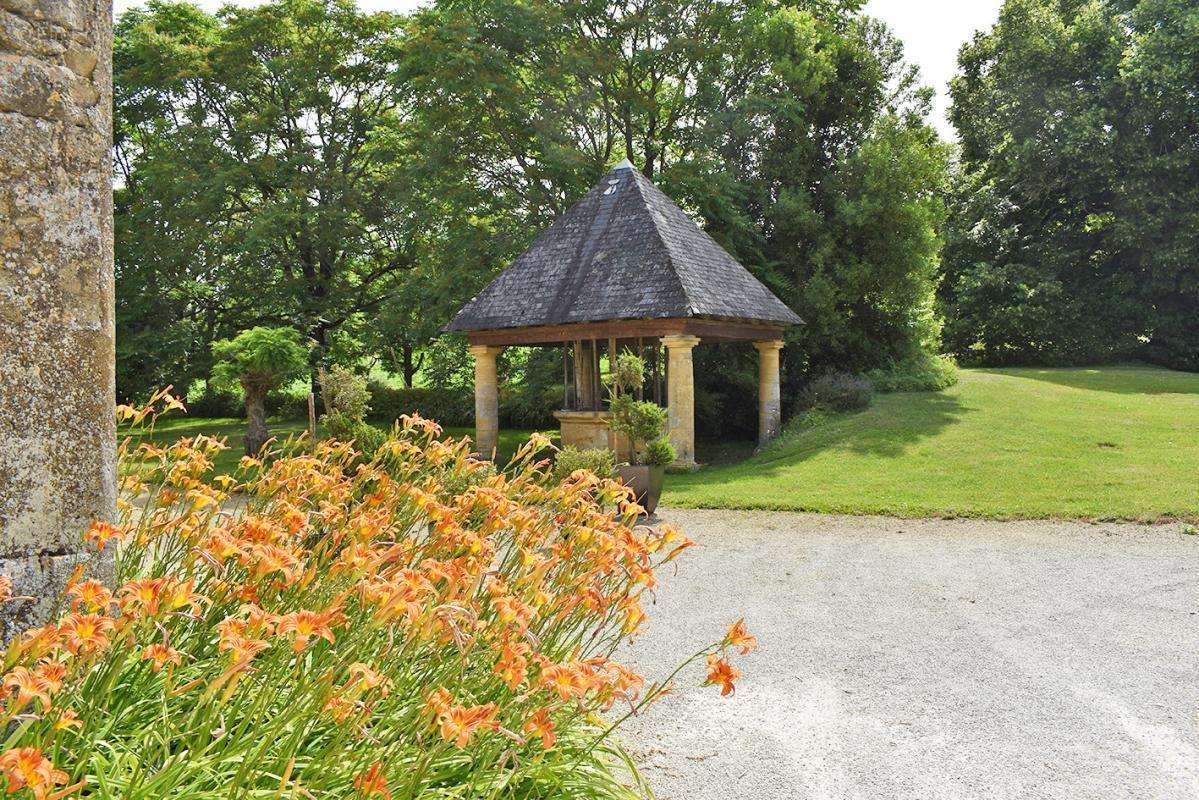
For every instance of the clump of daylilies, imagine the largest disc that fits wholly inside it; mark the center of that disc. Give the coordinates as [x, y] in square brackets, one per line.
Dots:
[325, 625]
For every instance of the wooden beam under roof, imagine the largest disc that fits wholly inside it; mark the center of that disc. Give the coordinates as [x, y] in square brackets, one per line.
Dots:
[707, 329]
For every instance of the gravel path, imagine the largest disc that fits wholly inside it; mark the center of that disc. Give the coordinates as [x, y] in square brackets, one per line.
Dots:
[928, 659]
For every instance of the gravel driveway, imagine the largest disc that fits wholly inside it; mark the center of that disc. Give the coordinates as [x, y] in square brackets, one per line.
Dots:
[928, 659]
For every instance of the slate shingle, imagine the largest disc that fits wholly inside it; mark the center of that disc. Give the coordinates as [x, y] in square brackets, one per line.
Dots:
[625, 251]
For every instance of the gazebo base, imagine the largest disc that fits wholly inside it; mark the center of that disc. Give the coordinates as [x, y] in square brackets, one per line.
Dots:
[588, 430]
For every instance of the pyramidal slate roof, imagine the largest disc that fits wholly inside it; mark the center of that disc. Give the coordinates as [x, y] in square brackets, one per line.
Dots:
[623, 252]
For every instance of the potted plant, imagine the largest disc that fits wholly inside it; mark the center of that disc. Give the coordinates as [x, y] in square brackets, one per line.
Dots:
[644, 424]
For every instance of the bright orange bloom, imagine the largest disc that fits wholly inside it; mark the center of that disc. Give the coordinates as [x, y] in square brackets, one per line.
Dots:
[459, 723]
[722, 672]
[51, 674]
[28, 685]
[512, 664]
[67, 719]
[101, 533]
[738, 636]
[438, 702]
[40, 641]
[27, 768]
[373, 783]
[235, 641]
[142, 595]
[85, 633]
[308, 624]
[177, 595]
[91, 594]
[365, 679]
[567, 680]
[541, 726]
[159, 655]
[342, 708]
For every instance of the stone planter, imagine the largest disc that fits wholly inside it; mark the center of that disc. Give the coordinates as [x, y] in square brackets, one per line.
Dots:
[645, 481]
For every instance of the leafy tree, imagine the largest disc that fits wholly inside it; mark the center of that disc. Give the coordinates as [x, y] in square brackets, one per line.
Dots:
[793, 130]
[263, 155]
[1072, 239]
[259, 359]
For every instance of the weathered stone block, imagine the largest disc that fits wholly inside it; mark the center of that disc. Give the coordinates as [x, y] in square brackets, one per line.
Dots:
[57, 434]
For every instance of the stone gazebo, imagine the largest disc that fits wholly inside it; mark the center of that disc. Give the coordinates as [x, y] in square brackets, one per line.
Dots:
[624, 269]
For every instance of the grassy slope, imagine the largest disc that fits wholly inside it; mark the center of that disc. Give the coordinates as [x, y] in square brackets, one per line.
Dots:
[1116, 442]
[172, 428]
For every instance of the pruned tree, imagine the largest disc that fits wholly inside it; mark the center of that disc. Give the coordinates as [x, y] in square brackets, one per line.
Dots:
[259, 360]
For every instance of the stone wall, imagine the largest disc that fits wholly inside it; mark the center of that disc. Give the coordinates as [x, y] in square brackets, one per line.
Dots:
[57, 436]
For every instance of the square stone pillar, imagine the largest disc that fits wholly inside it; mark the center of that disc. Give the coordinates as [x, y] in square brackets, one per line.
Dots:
[770, 408]
[680, 398]
[57, 422]
[487, 399]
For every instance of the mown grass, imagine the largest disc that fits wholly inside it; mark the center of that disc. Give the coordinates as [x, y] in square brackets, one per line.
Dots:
[169, 430]
[1107, 443]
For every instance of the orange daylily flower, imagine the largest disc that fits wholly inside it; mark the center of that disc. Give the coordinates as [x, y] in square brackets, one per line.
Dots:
[373, 783]
[738, 636]
[308, 624]
[27, 768]
[159, 655]
[28, 685]
[541, 726]
[91, 594]
[722, 672]
[438, 702]
[101, 533]
[86, 633]
[67, 719]
[365, 679]
[459, 723]
[512, 664]
[567, 680]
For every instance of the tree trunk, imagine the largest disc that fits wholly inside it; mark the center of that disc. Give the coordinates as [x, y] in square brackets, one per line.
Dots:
[409, 366]
[256, 430]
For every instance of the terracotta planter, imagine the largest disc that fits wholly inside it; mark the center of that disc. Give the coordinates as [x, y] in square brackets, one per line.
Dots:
[645, 481]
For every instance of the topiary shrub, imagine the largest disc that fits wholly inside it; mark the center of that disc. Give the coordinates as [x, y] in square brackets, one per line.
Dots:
[838, 391]
[598, 461]
[347, 618]
[259, 360]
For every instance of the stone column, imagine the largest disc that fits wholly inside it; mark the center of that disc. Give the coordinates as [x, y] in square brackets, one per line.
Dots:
[770, 408]
[680, 398]
[487, 399]
[57, 434]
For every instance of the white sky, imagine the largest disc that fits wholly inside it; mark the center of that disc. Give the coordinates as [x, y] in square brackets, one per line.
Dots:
[932, 31]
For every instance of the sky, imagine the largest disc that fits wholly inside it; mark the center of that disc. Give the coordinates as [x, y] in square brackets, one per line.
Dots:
[932, 32]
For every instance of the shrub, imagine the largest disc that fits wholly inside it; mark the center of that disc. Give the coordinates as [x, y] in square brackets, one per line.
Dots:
[366, 437]
[659, 453]
[259, 360]
[838, 391]
[641, 421]
[521, 407]
[450, 407]
[597, 461]
[343, 391]
[347, 626]
[921, 373]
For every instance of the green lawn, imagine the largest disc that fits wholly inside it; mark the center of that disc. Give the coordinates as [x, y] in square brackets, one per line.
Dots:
[171, 429]
[1108, 443]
